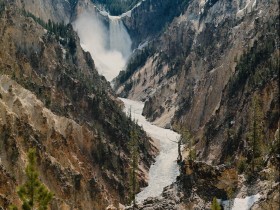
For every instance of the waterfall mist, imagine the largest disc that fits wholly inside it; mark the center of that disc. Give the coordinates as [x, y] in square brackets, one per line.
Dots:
[109, 47]
[119, 38]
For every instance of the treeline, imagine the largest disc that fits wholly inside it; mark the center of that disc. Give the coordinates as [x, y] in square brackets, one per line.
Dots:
[117, 7]
[63, 32]
[59, 29]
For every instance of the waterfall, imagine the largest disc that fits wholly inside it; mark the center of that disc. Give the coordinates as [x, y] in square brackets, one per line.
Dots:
[119, 38]
[110, 46]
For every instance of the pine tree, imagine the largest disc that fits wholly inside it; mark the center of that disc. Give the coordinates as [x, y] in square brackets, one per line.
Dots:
[187, 139]
[133, 182]
[255, 135]
[33, 193]
[215, 204]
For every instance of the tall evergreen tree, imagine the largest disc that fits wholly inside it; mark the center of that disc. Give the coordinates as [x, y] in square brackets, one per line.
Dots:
[255, 135]
[133, 181]
[33, 193]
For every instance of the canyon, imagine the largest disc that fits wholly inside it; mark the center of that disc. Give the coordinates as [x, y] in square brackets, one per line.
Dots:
[193, 77]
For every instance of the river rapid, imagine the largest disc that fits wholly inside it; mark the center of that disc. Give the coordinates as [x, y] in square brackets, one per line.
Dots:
[165, 169]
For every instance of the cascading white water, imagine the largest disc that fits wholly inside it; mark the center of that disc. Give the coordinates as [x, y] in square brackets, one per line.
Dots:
[119, 38]
[109, 47]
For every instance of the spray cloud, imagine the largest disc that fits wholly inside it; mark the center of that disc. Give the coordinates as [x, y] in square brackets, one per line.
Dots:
[109, 47]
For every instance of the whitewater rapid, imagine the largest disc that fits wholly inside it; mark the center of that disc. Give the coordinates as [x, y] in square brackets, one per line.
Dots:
[165, 169]
[241, 203]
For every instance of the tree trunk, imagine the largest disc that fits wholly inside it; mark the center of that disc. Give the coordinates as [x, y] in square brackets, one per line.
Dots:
[179, 160]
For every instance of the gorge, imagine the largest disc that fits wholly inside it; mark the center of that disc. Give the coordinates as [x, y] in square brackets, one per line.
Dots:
[82, 86]
[116, 42]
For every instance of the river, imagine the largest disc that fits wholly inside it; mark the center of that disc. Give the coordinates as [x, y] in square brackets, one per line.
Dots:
[165, 169]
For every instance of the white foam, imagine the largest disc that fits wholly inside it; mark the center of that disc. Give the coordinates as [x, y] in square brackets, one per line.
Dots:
[241, 203]
[165, 170]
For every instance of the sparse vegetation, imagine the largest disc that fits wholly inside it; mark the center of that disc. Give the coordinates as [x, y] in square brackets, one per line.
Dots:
[137, 61]
[257, 64]
[62, 32]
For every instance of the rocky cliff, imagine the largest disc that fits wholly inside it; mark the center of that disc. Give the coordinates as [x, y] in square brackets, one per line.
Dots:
[53, 99]
[149, 18]
[57, 10]
[196, 70]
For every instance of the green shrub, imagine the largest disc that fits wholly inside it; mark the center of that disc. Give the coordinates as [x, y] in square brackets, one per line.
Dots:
[241, 166]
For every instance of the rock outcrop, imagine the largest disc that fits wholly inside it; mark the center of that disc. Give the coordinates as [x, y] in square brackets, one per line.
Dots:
[171, 199]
